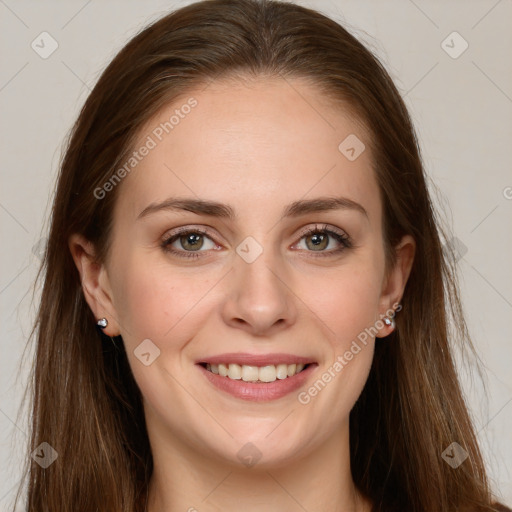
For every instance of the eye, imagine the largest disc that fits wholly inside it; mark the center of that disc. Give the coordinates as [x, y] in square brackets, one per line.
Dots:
[318, 238]
[190, 240]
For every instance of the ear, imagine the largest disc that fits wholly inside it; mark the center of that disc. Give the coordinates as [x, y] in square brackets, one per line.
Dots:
[396, 279]
[95, 282]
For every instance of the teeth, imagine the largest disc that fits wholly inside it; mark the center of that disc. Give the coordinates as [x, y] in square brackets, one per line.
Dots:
[282, 371]
[248, 373]
[235, 371]
[268, 373]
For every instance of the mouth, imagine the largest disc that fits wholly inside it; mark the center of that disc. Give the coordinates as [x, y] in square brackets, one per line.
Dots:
[257, 383]
[256, 374]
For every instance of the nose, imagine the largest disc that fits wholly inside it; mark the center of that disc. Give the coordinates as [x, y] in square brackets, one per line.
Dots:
[259, 300]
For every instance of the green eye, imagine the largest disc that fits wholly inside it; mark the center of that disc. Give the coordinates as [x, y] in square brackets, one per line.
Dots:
[192, 241]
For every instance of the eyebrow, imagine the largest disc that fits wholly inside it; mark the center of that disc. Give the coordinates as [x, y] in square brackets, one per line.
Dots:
[224, 211]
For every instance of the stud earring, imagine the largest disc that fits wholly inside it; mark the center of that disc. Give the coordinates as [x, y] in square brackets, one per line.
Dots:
[390, 322]
[102, 323]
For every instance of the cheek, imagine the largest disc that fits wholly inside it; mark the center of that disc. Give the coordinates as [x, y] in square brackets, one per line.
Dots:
[349, 310]
[155, 301]
[346, 301]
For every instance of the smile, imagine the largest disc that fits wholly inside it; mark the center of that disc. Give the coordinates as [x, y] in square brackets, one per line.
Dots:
[268, 373]
[257, 383]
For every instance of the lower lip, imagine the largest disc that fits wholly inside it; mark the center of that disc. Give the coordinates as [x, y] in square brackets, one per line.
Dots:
[259, 392]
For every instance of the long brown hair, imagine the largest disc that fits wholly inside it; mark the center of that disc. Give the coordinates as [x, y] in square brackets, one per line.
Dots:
[86, 403]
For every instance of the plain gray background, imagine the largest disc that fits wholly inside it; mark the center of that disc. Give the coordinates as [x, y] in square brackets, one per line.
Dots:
[461, 106]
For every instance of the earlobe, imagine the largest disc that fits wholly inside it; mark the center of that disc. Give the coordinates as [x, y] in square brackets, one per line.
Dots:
[94, 280]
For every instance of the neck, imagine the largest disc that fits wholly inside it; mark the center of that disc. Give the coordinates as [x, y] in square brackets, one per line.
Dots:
[186, 479]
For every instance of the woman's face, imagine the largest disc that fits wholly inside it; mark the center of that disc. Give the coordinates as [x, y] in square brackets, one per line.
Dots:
[254, 286]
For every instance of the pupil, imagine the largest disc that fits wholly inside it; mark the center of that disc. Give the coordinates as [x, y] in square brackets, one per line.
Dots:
[317, 240]
[192, 240]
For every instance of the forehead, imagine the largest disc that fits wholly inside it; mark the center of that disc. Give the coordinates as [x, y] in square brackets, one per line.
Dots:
[256, 144]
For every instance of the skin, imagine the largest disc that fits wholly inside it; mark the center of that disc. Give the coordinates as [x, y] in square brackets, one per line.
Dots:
[258, 146]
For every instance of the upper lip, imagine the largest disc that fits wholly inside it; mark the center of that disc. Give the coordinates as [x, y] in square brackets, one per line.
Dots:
[255, 359]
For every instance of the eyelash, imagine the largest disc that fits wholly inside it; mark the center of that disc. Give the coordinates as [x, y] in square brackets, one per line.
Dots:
[340, 237]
